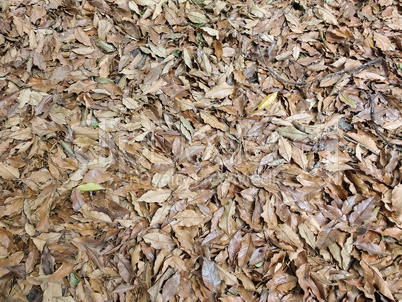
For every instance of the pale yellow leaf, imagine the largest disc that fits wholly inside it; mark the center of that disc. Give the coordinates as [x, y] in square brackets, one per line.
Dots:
[90, 187]
[347, 100]
[268, 100]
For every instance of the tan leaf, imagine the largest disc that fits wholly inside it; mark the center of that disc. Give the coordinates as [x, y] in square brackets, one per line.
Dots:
[325, 15]
[396, 199]
[291, 133]
[213, 121]
[285, 149]
[197, 17]
[220, 91]
[83, 50]
[189, 218]
[226, 222]
[159, 196]
[285, 233]
[158, 240]
[156, 158]
[366, 75]
[187, 58]
[373, 276]
[82, 37]
[8, 172]
[383, 42]
[307, 234]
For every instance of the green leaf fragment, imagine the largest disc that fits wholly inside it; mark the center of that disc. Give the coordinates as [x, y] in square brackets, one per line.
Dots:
[347, 100]
[259, 264]
[74, 279]
[90, 187]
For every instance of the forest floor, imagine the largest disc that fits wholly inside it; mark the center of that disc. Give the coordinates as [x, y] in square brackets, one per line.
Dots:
[177, 150]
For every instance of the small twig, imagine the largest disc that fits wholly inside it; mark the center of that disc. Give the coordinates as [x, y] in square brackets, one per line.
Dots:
[392, 146]
[360, 144]
[372, 62]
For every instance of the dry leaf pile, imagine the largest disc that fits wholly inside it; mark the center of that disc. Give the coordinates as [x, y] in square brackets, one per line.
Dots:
[147, 154]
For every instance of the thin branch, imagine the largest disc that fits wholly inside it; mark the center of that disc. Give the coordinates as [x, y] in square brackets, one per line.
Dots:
[360, 144]
[372, 62]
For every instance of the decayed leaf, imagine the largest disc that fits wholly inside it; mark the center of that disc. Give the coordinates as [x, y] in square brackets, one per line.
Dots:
[285, 149]
[158, 196]
[190, 190]
[245, 252]
[156, 158]
[210, 275]
[160, 214]
[171, 287]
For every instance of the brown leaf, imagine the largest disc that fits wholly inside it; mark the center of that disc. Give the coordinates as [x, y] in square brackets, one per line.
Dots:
[213, 121]
[125, 269]
[363, 211]
[234, 245]
[210, 275]
[396, 199]
[285, 233]
[373, 276]
[171, 287]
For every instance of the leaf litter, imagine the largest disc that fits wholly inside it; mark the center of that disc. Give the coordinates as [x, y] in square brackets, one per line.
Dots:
[200, 151]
